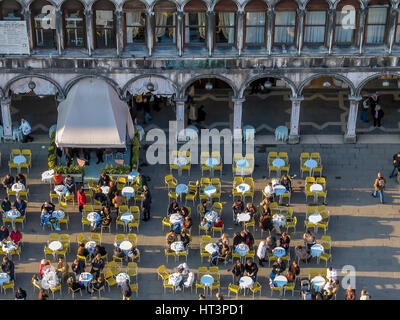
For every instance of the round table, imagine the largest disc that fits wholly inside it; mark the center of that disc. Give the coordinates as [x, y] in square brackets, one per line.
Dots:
[311, 164]
[211, 216]
[317, 250]
[246, 282]
[181, 188]
[50, 280]
[207, 280]
[121, 278]
[209, 190]
[243, 217]
[177, 246]
[314, 218]
[243, 187]
[280, 281]
[278, 162]
[125, 245]
[175, 218]
[4, 277]
[48, 175]
[18, 187]
[85, 278]
[279, 189]
[55, 245]
[91, 246]
[318, 283]
[12, 214]
[191, 132]
[174, 279]
[316, 188]
[211, 162]
[9, 246]
[127, 217]
[242, 164]
[279, 252]
[18, 160]
[132, 176]
[279, 219]
[93, 216]
[211, 248]
[60, 189]
[58, 214]
[128, 192]
[242, 249]
[105, 189]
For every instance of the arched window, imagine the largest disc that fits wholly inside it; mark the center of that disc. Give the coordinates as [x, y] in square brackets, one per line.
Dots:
[255, 22]
[74, 24]
[285, 23]
[165, 23]
[225, 23]
[377, 19]
[346, 22]
[104, 22]
[10, 10]
[195, 23]
[315, 22]
[44, 28]
[135, 22]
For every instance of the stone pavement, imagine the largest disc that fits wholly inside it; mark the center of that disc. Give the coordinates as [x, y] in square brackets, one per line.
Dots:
[365, 233]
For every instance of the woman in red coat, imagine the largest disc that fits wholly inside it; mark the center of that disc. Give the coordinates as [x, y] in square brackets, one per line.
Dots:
[81, 199]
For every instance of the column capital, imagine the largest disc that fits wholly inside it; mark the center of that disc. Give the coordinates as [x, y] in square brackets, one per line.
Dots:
[88, 12]
[26, 11]
[184, 99]
[118, 12]
[296, 99]
[301, 11]
[270, 11]
[5, 100]
[332, 11]
[355, 98]
[363, 10]
[238, 100]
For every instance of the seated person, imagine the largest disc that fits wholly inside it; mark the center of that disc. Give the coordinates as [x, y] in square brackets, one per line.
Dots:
[57, 179]
[97, 265]
[309, 239]
[284, 241]
[20, 205]
[279, 266]
[21, 179]
[224, 251]
[113, 191]
[302, 253]
[184, 212]
[82, 251]
[237, 207]
[173, 207]
[118, 201]
[141, 181]
[290, 276]
[248, 238]
[16, 235]
[133, 252]
[205, 224]
[203, 207]
[187, 223]
[223, 240]
[237, 239]
[48, 206]
[78, 266]
[35, 280]
[265, 202]
[74, 285]
[218, 223]
[118, 252]
[8, 181]
[251, 209]
[107, 219]
[62, 268]
[331, 274]
[171, 238]
[271, 243]
[285, 181]
[98, 283]
[104, 179]
[269, 191]
[99, 250]
[237, 271]
[251, 269]
[47, 218]
[4, 233]
[266, 223]
[43, 264]
[184, 238]
[100, 196]
[69, 183]
[6, 205]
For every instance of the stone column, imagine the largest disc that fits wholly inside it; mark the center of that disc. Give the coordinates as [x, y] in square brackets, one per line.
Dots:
[270, 28]
[392, 29]
[239, 33]
[6, 116]
[179, 32]
[300, 29]
[331, 23]
[119, 32]
[210, 32]
[294, 134]
[27, 17]
[180, 117]
[237, 112]
[89, 30]
[149, 30]
[350, 135]
[361, 28]
[59, 28]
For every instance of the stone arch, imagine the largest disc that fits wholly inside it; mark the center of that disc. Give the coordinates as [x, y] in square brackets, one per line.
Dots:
[150, 75]
[111, 82]
[203, 76]
[185, 2]
[142, 1]
[82, 2]
[54, 3]
[151, 6]
[318, 75]
[9, 84]
[268, 75]
[372, 77]
[238, 4]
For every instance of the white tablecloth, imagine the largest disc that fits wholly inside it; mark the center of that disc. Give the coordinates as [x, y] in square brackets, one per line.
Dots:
[121, 278]
[278, 162]
[180, 161]
[55, 245]
[128, 192]
[4, 277]
[90, 246]
[175, 218]
[177, 246]
[85, 278]
[174, 279]
[279, 219]
[243, 217]
[209, 190]
[211, 216]
[125, 245]
[316, 188]
[12, 214]
[280, 281]
[105, 189]
[243, 187]
[317, 250]
[246, 282]
[211, 248]
[314, 218]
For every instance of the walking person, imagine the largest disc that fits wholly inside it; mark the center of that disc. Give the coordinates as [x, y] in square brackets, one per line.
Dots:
[396, 164]
[379, 185]
[126, 290]
[378, 115]
[26, 131]
[373, 101]
[81, 199]
[364, 109]
[146, 205]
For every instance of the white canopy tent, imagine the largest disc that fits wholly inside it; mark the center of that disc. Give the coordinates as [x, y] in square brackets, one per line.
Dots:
[93, 116]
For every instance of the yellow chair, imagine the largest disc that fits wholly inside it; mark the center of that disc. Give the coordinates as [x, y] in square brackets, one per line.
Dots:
[216, 285]
[132, 269]
[183, 254]
[168, 286]
[199, 285]
[172, 195]
[161, 273]
[165, 223]
[275, 289]
[134, 288]
[204, 254]
[304, 169]
[170, 254]
[110, 280]
[233, 288]
[58, 288]
[256, 288]
[85, 221]
[217, 229]
[47, 250]
[73, 292]
[80, 238]
[323, 225]
[205, 239]
[251, 223]
[8, 285]
[12, 165]
[272, 155]
[291, 224]
[132, 237]
[325, 257]
[87, 208]
[96, 237]
[64, 220]
[20, 219]
[313, 273]
[288, 287]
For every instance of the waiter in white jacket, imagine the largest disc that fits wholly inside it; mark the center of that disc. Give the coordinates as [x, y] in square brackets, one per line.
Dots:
[26, 130]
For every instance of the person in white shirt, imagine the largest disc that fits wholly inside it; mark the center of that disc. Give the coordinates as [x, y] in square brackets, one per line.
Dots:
[26, 130]
[261, 251]
[365, 295]
[269, 191]
[331, 274]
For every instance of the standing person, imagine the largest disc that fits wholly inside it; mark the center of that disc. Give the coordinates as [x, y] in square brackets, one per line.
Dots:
[378, 115]
[69, 183]
[365, 295]
[99, 154]
[396, 164]
[364, 109]
[8, 267]
[26, 129]
[379, 185]
[146, 206]
[190, 94]
[81, 198]
[43, 295]
[126, 290]
[261, 252]
[238, 271]
[350, 293]
[20, 294]
[373, 101]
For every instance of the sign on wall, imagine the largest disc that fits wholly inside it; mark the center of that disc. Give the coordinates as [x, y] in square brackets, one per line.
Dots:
[13, 37]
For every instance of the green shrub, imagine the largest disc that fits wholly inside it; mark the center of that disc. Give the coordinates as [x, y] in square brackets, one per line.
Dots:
[120, 169]
[73, 169]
